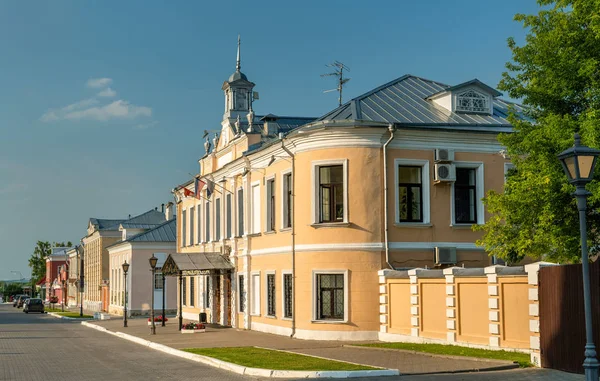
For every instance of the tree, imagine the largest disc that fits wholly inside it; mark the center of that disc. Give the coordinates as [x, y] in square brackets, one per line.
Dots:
[556, 73]
[37, 261]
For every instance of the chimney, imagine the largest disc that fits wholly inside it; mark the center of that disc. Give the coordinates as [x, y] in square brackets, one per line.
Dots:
[162, 208]
[169, 211]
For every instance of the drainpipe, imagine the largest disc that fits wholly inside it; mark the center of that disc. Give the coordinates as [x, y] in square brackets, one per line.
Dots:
[391, 129]
[293, 238]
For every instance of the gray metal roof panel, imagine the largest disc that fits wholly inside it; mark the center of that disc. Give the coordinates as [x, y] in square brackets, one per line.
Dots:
[166, 232]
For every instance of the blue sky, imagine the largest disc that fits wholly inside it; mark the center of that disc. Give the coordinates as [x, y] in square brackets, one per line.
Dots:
[103, 104]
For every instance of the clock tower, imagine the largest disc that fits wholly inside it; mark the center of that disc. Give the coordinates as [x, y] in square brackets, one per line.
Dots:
[238, 95]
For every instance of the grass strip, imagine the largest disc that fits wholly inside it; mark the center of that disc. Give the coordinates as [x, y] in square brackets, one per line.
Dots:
[70, 314]
[522, 359]
[270, 359]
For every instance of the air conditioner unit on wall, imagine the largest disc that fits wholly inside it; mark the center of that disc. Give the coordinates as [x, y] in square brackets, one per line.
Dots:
[443, 155]
[444, 173]
[445, 255]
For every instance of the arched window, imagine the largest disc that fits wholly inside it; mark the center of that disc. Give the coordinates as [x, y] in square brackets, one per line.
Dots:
[472, 101]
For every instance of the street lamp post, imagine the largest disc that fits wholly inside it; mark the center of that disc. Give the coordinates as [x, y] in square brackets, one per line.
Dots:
[125, 269]
[163, 299]
[79, 249]
[578, 163]
[152, 261]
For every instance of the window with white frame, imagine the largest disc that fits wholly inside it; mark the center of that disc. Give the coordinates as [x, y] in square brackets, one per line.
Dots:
[242, 294]
[199, 218]
[287, 201]
[255, 222]
[217, 219]
[184, 291]
[331, 295]
[472, 101]
[158, 281]
[255, 294]
[183, 228]
[207, 296]
[240, 212]
[330, 194]
[270, 294]
[270, 191]
[412, 191]
[228, 216]
[192, 231]
[192, 279]
[287, 296]
[207, 222]
[467, 194]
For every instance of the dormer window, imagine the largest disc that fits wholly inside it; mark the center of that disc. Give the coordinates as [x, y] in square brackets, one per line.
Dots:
[472, 101]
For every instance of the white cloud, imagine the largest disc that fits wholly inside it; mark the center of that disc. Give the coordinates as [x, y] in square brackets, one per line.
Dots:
[98, 83]
[107, 93]
[57, 114]
[116, 110]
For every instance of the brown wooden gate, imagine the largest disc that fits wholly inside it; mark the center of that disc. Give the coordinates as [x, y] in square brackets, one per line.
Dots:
[562, 318]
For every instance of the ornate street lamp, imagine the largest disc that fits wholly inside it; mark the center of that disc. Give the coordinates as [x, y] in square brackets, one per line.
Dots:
[125, 269]
[153, 260]
[578, 163]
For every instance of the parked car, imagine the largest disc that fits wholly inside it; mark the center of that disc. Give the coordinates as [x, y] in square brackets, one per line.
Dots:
[33, 305]
[16, 299]
[22, 300]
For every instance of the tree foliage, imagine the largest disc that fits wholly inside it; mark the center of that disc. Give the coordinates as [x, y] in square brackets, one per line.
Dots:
[37, 261]
[556, 73]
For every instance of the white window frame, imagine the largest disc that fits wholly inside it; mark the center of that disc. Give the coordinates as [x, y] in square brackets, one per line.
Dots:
[479, 188]
[266, 294]
[207, 223]
[217, 224]
[184, 297]
[425, 188]
[184, 227]
[315, 318]
[267, 204]
[239, 292]
[315, 165]
[192, 213]
[487, 96]
[237, 231]
[229, 216]
[199, 225]
[282, 196]
[283, 274]
[253, 209]
[507, 167]
[255, 293]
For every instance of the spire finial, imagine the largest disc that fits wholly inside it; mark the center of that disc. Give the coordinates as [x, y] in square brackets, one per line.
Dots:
[238, 65]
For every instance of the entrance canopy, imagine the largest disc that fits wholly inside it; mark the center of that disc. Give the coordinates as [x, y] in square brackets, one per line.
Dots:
[194, 264]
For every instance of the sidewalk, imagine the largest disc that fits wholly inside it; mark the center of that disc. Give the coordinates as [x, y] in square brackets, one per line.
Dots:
[215, 336]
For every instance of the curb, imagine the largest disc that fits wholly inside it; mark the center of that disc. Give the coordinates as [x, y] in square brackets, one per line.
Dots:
[66, 317]
[239, 369]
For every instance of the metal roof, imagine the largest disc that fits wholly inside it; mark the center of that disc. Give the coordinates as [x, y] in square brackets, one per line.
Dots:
[129, 225]
[404, 101]
[166, 232]
[103, 223]
[192, 262]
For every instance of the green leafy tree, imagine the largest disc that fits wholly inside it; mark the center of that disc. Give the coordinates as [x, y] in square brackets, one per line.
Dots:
[37, 261]
[556, 73]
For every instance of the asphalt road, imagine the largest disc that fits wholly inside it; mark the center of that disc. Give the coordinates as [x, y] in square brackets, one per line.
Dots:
[40, 347]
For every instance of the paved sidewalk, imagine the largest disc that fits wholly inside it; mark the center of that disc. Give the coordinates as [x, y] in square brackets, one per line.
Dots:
[405, 362]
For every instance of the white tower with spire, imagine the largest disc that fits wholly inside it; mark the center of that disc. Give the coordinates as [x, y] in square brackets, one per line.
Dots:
[238, 95]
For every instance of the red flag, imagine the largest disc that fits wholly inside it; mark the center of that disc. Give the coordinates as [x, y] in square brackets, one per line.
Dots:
[187, 192]
[199, 185]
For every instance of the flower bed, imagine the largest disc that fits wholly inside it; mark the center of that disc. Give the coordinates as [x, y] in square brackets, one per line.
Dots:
[193, 328]
[158, 319]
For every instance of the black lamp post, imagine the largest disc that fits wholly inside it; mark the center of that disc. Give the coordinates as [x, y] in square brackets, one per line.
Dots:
[152, 261]
[125, 269]
[163, 299]
[79, 249]
[578, 163]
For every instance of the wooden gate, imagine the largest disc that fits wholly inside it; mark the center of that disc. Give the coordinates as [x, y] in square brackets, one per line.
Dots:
[562, 318]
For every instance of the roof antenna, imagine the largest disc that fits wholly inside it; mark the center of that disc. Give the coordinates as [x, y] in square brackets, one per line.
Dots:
[338, 72]
[238, 65]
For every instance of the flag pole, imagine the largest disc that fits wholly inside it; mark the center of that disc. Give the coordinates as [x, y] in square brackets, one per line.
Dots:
[214, 183]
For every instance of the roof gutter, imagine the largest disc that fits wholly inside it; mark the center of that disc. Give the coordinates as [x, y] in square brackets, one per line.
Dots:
[391, 129]
[293, 211]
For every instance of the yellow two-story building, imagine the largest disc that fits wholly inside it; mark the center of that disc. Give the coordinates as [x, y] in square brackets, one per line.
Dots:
[307, 210]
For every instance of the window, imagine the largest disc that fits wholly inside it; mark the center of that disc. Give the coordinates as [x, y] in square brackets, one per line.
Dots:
[472, 101]
[330, 296]
[217, 219]
[410, 194]
[207, 297]
[184, 291]
[183, 228]
[271, 294]
[158, 281]
[240, 207]
[255, 294]
[255, 225]
[199, 228]
[192, 215]
[287, 296]
[331, 193]
[270, 205]
[207, 223]
[228, 216]
[465, 196]
[192, 291]
[287, 200]
[242, 293]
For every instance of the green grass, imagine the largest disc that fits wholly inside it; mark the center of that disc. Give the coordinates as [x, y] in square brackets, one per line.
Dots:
[70, 314]
[269, 359]
[454, 350]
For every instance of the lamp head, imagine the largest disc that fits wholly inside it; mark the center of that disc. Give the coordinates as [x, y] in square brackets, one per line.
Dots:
[125, 267]
[579, 162]
[153, 260]
[271, 161]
